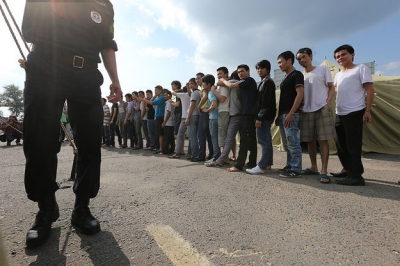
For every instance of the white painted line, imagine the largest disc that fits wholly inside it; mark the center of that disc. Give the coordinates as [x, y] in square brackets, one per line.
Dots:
[178, 250]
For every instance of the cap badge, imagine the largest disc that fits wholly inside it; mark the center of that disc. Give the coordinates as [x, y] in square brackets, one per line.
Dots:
[96, 17]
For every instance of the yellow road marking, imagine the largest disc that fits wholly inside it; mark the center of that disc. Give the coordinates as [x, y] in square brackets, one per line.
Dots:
[178, 250]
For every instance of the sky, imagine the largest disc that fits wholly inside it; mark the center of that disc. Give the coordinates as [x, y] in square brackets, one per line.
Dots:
[164, 40]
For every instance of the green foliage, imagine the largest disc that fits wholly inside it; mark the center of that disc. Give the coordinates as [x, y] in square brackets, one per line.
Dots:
[13, 99]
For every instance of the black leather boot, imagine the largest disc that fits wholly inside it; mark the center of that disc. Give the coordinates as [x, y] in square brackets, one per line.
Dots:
[82, 218]
[40, 231]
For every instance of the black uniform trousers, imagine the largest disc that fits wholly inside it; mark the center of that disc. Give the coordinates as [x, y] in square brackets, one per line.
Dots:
[48, 84]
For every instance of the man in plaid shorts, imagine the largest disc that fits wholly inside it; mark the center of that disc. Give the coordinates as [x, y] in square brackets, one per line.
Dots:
[316, 121]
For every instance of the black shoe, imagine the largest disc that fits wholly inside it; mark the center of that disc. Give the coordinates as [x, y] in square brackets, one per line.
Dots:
[351, 182]
[8, 143]
[198, 160]
[284, 169]
[40, 231]
[82, 218]
[290, 174]
[209, 157]
[342, 173]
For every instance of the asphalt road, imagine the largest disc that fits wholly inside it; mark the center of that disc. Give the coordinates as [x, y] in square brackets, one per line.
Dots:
[158, 211]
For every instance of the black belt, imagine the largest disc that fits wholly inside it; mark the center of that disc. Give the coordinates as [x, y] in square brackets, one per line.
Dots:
[67, 58]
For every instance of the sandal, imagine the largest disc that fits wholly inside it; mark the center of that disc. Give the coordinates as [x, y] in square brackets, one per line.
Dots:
[308, 171]
[324, 176]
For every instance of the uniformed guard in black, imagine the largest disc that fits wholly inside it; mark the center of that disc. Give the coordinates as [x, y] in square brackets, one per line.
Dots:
[67, 37]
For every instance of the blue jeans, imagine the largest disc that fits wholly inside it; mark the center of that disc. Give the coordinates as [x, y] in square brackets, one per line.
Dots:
[204, 135]
[180, 138]
[214, 138]
[146, 133]
[137, 123]
[291, 142]
[265, 141]
[150, 130]
[106, 134]
[131, 133]
[115, 128]
[230, 140]
[194, 141]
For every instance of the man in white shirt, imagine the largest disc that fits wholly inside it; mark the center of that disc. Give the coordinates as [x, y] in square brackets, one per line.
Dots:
[222, 93]
[184, 95]
[352, 83]
[316, 122]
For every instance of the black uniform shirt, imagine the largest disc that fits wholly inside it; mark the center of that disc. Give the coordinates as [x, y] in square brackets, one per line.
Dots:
[80, 27]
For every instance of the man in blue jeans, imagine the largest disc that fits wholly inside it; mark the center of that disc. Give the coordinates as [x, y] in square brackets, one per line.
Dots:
[159, 102]
[265, 116]
[292, 92]
[192, 119]
[208, 82]
[203, 128]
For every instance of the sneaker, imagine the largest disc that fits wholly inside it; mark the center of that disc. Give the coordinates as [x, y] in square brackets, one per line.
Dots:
[284, 169]
[255, 170]
[210, 163]
[290, 174]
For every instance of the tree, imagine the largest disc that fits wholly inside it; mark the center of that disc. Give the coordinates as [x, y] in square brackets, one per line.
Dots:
[12, 98]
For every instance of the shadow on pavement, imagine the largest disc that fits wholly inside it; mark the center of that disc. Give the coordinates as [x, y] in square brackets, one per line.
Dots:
[103, 249]
[48, 253]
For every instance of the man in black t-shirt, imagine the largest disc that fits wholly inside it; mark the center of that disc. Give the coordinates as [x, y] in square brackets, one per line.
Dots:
[248, 98]
[292, 91]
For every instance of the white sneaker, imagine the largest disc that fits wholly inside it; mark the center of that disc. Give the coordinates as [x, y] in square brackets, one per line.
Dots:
[209, 161]
[255, 170]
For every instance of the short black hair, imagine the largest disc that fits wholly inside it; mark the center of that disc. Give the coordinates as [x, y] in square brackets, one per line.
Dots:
[141, 92]
[305, 50]
[246, 67]
[184, 89]
[149, 91]
[287, 55]
[346, 47]
[168, 92]
[128, 95]
[208, 79]
[159, 87]
[200, 74]
[135, 92]
[224, 69]
[104, 99]
[177, 83]
[264, 64]
[234, 75]
[193, 80]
